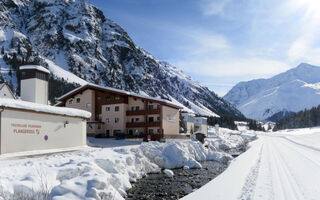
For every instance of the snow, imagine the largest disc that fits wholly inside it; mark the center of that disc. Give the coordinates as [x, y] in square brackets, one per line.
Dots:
[37, 67]
[169, 173]
[62, 73]
[99, 173]
[293, 90]
[280, 165]
[25, 105]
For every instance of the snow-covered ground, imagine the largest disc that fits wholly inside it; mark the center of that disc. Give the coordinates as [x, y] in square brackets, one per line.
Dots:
[105, 170]
[281, 165]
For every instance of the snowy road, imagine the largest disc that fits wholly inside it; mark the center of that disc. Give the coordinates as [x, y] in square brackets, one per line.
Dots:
[275, 167]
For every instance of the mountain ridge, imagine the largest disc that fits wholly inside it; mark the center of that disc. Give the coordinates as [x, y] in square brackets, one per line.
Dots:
[290, 91]
[78, 44]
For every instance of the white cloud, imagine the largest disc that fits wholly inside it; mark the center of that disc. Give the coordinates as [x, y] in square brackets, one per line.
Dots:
[214, 7]
[229, 67]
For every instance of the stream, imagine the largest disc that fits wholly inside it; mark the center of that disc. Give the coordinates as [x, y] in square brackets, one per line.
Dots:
[159, 186]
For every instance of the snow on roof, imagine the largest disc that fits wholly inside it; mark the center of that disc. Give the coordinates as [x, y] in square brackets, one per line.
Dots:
[37, 67]
[122, 92]
[25, 105]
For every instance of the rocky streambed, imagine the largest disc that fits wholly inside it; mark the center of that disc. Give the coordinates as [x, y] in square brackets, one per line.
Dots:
[160, 186]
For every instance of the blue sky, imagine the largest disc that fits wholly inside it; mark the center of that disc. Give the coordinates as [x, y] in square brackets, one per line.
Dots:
[222, 42]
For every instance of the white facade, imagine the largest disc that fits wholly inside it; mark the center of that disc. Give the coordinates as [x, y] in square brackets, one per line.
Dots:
[5, 91]
[189, 119]
[34, 90]
[34, 84]
[201, 125]
[23, 130]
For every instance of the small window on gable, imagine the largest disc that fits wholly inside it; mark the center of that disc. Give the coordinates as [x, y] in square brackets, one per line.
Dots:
[70, 101]
[78, 100]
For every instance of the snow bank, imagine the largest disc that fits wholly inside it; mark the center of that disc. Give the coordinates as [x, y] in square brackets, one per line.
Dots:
[224, 187]
[99, 173]
[12, 103]
[176, 154]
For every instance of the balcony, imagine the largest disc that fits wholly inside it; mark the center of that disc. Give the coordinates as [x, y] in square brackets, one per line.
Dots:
[142, 124]
[143, 112]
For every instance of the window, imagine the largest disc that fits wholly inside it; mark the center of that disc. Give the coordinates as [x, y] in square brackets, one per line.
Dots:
[132, 120]
[158, 130]
[150, 131]
[150, 107]
[98, 116]
[150, 119]
[137, 119]
[135, 99]
[132, 108]
[78, 100]
[117, 98]
[137, 108]
[116, 120]
[107, 120]
[158, 118]
[98, 98]
[99, 126]
[116, 109]
[158, 106]
[108, 98]
[70, 101]
[88, 105]
[107, 108]
[90, 126]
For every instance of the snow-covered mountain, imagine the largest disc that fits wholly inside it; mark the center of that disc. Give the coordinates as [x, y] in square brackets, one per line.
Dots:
[75, 41]
[291, 91]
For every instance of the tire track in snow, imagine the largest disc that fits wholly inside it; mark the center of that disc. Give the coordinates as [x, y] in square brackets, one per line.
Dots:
[300, 144]
[248, 188]
[302, 154]
[288, 185]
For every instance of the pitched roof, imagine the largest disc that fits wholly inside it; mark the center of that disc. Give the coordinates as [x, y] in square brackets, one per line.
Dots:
[117, 91]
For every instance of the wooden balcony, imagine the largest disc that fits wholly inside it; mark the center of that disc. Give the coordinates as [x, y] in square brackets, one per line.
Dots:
[142, 124]
[143, 112]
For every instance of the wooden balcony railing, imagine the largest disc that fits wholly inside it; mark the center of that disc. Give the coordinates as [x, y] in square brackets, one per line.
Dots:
[142, 124]
[143, 112]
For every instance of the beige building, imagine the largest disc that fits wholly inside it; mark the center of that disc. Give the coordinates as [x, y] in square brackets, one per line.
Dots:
[27, 126]
[195, 124]
[117, 111]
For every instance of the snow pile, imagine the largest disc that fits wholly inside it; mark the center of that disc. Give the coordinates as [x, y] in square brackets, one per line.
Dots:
[226, 139]
[98, 173]
[12, 103]
[176, 154]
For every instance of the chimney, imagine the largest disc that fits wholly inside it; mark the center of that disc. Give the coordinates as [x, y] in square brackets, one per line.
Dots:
[34, 83]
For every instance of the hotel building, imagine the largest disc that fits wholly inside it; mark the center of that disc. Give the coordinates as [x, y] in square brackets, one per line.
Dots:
[118, 111]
